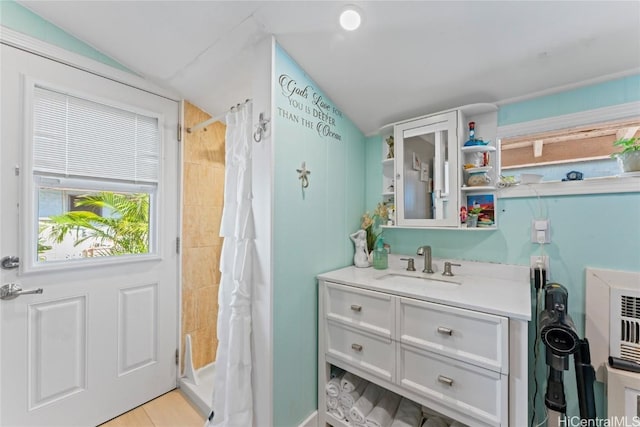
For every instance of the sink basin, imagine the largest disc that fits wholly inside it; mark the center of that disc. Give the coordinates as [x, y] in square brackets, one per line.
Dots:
[403, 278]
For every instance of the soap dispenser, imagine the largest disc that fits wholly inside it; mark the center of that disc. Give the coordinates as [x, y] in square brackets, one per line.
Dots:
[380, 256]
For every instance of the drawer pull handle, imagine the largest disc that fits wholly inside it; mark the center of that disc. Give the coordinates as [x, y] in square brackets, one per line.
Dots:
[445, 380]
[356, 308]
[356, 347]
[444, 331]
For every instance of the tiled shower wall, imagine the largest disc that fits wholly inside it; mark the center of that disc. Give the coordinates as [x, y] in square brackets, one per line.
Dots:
[203, 163]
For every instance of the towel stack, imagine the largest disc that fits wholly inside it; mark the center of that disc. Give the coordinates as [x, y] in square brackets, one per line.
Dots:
[365, 404]
[332, 388]
[383, 413]
[343, 391]
[360, 403]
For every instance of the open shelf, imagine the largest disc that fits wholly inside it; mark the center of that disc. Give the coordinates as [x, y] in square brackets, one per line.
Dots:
[479, 169]
[477, 148]
[479, 188]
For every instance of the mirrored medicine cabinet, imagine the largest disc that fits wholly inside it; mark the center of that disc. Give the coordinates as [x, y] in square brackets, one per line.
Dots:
[427, 169]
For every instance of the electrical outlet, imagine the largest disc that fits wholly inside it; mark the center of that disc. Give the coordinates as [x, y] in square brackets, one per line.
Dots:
[540, 231]
[540, 260]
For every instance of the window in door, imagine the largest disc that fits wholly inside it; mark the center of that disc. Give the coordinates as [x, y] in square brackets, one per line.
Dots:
[95, 170]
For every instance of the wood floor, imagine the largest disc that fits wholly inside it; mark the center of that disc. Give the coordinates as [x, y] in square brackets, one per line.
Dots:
[169, 410]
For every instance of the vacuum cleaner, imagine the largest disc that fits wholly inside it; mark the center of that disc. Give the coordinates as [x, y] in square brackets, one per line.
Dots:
[560, 337]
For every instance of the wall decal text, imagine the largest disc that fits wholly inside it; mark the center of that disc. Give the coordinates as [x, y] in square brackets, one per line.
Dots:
[308, 108]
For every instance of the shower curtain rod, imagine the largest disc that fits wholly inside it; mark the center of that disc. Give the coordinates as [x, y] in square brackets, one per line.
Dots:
[214, 119]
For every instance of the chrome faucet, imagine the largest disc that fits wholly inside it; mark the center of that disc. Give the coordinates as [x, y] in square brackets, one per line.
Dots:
[426, 251]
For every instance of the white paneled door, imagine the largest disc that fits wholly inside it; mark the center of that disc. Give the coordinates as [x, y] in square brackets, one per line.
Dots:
[101, 337]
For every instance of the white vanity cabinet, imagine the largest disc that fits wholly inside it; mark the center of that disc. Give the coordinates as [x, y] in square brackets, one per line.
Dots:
[467, 364]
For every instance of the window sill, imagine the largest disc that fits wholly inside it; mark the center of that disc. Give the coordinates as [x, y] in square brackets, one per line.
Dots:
[93, 262]
[606, 185]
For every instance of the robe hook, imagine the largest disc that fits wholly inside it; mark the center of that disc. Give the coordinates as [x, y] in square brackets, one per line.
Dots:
[261, 128]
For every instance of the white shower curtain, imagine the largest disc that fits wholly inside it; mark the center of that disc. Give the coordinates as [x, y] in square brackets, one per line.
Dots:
[232, 403]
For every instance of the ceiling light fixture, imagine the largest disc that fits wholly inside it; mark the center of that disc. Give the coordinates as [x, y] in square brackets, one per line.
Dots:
[350, 18]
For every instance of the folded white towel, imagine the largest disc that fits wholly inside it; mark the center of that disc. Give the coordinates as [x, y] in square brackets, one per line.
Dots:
[332, 402]
[349, 382]
[348, 399]
[345, 411]
[382, 414]
[365, 404]
[338, 412]
[408, 414]
[333, 387]
[435, 422]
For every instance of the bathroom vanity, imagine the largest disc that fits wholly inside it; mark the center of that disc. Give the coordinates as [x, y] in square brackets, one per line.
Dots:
[457, 345]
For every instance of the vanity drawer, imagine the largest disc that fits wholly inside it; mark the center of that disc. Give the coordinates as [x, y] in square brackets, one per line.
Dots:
[367, 310]
[473, 391]
[368, 352]
[470, 336]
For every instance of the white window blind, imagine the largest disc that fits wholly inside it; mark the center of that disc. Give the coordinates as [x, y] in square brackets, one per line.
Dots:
[82, 138]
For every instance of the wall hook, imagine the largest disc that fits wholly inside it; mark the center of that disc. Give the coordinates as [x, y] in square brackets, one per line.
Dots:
[261, 128]
[303, 175]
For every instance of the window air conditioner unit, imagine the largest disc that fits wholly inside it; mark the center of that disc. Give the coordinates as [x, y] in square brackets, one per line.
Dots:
[624, 324]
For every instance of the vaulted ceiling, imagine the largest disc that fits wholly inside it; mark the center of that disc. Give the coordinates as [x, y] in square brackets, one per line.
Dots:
[408, 58]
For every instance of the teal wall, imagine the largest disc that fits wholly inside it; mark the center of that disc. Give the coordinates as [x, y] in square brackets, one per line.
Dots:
[586, 231]
[311, 226]
[21, 19]
[612, 92]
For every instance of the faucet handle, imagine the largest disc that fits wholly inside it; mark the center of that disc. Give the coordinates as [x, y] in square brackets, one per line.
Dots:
[410, 263]
[447, 268]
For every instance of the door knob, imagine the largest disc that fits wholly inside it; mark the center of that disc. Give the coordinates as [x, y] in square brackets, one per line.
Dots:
[14, 290]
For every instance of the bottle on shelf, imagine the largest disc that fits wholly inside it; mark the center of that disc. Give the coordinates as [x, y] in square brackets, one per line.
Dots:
[472, 133]
[473, 140]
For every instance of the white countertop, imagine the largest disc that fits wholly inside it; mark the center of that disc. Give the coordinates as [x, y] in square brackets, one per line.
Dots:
[499, 289]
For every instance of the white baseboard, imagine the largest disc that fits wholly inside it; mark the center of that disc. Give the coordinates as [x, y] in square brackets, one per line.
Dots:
[311, 421]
